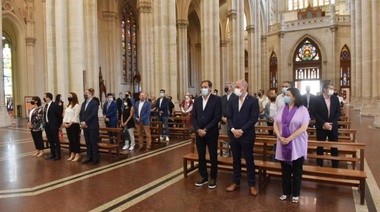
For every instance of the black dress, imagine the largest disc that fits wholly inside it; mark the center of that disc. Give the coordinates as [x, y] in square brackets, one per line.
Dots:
[126, 114]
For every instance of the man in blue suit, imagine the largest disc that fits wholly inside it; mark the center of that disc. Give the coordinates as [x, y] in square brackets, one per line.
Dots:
[142, 117]
[89, 122]
[110, 114]
[326, 111]
[242, 117]
[206, 114]
[162, 105]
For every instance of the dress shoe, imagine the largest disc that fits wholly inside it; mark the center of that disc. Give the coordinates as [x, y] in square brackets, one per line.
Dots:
[49, 157]
[253, 191]
[95, 162]
[57, 158]
[87, 160]
[232, 187]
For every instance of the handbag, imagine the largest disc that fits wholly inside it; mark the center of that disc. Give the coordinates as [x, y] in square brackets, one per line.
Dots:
[125, 134]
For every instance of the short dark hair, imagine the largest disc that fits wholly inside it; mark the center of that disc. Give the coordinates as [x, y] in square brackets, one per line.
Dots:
[326, 85]
[92, 91]
[109, 94]
[297, 96]
[49, 95]
[162, 90]
[208, 82]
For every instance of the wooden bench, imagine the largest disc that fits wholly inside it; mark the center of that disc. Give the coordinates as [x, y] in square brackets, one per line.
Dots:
[180, 125]
[266, 167]
[155, 131]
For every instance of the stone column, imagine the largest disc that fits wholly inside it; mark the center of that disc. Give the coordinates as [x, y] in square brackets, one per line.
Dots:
[257, 53]
[375, 51]
[183, 57]
[264, 78]
[333, 29]
[357, 79]
[210, 37]
[30, 44]
[366, 69]
[5, 120]
[376, 123]
[353, 54]
[198, 64]
[145, 44]
[226, 74]
[236, 42]
[50, 46]
[251, 57]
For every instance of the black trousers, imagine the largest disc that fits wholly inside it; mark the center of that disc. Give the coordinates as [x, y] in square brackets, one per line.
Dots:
[246, 146]
[73, 134]
[91, 138]
[210, 141]
[295, 168]
[37, 139]
[53, 138]
[332, 136]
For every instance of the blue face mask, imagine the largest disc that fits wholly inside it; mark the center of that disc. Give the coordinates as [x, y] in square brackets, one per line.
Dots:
[287, 99]
[204, 91]
[284, 90]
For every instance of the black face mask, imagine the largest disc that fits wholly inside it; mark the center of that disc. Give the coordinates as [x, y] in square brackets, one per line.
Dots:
[85, 96]
[226, 89]
[32, 103]
[335, 94]
[70, 99]
[273, 99]
[126, 96]
[44, 99]
[259, 94]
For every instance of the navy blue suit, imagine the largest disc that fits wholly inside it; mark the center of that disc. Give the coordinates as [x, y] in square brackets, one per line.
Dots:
[245, 120]
[208, 120]
[163, 113]
[320, 113]
[111, 113]
[53, 121]
[89, 115]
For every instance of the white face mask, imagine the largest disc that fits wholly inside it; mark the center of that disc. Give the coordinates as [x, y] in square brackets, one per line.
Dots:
[125, 103]
[330, 92]
[237, 92]
[110, 99]
[204, 91]
[187, 98]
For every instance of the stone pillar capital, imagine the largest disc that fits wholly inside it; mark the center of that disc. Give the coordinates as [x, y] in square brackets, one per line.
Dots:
[144, 7]
[281, 34]
[30, 41]
[264, 38]
[223, 43]
[182, 24]
[232, 14]
[109, 16]
[250, 28]
[333, 28]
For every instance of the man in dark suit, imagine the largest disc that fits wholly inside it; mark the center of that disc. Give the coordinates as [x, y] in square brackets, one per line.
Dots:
[142, 117]
[242, 117]
[229, 89]
[308, 99]
[110, 114]
[89, 122]
[53, 121]
[162, 110]
[119, 103]
[326, 111]
[206, 114]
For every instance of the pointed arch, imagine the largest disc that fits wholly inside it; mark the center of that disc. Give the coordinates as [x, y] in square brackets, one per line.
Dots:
[345, 67]
[273, 71]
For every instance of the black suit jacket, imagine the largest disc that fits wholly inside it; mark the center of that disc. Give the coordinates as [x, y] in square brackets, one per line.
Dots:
[90, 114]
[54, 115]
[225, 103]
[320, 112]
[246, 118]
[304, 100]
[209, 117]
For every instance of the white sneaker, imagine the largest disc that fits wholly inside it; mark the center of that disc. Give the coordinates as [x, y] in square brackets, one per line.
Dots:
[167, 138]
[161, 137]
[125, 147]
[131, 148]
[283, 197]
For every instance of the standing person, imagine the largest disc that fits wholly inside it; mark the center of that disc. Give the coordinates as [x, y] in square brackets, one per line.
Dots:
[229, 89]
[53, 121]
[290, 125]
[142, 117]
[110, 114]
[119, 103]
[60, 103]
[89, 122]
[280, 98]
[128, 123]
[308, 99]
[171, 106]
[326, 111]
[243, 113]
[270, 111]
[130, 97]
[35, 124]
[71, 123]
[206, 115]
[162, 109]
[263, 100]
[186, 105]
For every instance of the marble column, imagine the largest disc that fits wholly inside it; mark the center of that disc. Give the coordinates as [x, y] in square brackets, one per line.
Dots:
[210, 38]
[366, 69]
[264, 78]
[30, 45]
[50, 46]
[198, 67]
[183, 58]
[375, 51]
[376, 123]
[5, 120]
[257, 52]
[145, 44]
[353, 53]
[251, 57]
[357, 79]
[333, 29]
[226, 74]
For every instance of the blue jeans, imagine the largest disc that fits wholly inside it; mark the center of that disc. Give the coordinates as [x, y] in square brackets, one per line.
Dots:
[164, 120]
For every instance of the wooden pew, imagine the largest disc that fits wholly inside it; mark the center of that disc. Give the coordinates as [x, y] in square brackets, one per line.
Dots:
[180, 125]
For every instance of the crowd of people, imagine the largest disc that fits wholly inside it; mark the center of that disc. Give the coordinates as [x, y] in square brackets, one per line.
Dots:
[234, 114]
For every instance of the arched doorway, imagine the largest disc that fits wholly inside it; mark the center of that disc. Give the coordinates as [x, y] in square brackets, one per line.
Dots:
[307, 66]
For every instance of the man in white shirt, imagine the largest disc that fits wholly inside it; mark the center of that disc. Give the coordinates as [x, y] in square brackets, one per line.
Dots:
[280, 98]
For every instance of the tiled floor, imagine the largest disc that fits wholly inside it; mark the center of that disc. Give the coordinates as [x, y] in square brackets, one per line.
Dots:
[153, 181]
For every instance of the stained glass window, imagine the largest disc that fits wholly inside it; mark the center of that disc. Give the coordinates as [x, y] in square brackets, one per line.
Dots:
[273, 73]
[307, 52]
[7, 72]
[129, 43]
[345, 68]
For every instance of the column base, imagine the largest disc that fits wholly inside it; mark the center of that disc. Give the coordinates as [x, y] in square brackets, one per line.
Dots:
[358, 104]
[5, 119]
[376, 123]
[369, 108]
